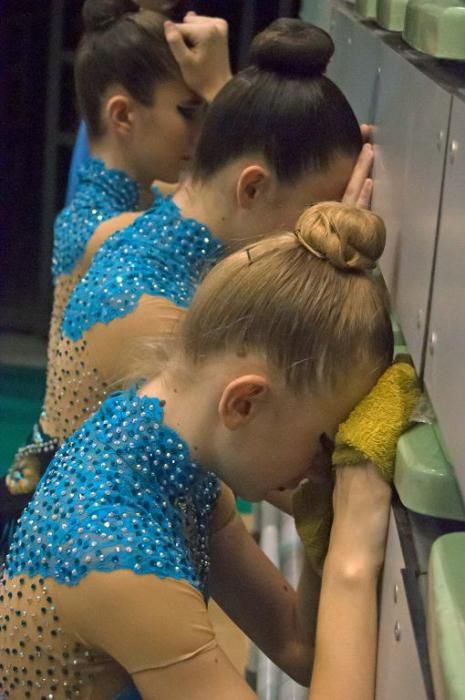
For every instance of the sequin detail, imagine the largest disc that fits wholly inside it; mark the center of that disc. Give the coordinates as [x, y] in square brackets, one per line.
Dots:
[39, 660]
[161, 254]
[101, 194]
[121, 493]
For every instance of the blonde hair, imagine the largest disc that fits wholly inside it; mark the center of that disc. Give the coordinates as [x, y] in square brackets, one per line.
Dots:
[306, 301]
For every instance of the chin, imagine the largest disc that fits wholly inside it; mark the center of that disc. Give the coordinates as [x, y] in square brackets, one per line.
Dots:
[251, 495]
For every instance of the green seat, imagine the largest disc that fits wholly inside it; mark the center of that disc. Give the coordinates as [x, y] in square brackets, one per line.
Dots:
[21, 394]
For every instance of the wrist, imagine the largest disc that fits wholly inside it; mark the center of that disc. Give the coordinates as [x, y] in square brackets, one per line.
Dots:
[210, 91]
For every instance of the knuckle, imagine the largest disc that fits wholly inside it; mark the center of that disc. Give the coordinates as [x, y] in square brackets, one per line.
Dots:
[221, 25]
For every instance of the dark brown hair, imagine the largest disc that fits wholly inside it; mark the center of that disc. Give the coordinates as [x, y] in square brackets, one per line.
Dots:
[282, 107]
[122, 45]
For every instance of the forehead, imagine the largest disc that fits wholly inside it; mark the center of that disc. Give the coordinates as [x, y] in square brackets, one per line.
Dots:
[325, 410]
[174, 92]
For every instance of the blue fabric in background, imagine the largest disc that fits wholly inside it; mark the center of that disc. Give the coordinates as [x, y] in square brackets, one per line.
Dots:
[81, 155]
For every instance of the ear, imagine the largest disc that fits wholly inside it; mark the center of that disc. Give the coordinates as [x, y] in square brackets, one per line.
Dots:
[242, 399]
[253, 184]
[119, 113]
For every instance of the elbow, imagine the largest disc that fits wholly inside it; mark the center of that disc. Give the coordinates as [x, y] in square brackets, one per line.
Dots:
[298, 664]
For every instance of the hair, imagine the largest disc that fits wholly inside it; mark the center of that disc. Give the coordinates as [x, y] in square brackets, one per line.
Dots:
[282, 106]
[122, 44]
[306, 301]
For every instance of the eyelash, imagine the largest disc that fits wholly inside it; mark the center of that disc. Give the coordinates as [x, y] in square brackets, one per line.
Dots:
[188, 113]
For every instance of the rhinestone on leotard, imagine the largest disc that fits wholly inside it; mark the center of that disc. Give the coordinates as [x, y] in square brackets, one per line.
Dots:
[121, 493]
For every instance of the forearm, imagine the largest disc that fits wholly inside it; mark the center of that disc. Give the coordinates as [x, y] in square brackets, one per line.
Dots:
[346, 635]
[210, 92]
[308, 597]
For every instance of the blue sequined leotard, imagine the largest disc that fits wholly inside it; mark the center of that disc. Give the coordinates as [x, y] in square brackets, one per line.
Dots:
[101, 195]
[121, 494]
[161, 254]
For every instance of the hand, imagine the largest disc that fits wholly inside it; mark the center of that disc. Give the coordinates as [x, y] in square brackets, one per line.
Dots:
[361, 500]
[200, 46]
[368, 132]
[360, 187]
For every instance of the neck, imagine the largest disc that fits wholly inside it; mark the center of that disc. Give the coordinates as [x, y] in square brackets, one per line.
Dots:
[209, 205]
[185, 411]
[115, 159]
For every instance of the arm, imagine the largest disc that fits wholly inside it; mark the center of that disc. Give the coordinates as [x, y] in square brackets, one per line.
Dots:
[346, 640]
[282, 623]
[261, 602]
[158, 630]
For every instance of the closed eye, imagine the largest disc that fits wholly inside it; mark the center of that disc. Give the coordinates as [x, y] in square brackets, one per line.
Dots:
[190, 111]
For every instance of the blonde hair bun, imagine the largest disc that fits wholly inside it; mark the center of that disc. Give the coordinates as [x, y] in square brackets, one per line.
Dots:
[349, 238]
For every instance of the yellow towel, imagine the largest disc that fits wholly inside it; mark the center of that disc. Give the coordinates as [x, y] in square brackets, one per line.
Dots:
[370, 434]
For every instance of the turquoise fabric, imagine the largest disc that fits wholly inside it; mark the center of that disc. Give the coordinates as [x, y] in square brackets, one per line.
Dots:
[100, 194]
[161, 254]
[121, 493]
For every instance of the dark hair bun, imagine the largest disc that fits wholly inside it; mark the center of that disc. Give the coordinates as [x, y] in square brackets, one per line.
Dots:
[100, 14]
[292, 48]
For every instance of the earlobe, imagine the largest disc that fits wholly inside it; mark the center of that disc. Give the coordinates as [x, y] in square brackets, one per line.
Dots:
[241, 400]
[252, 184]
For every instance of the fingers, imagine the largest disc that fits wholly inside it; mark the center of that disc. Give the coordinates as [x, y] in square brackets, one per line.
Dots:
[176, 42]
[200, 47]
[360, 174]
[214, 22]
[364, 200]
[201, 34]
[368, 132]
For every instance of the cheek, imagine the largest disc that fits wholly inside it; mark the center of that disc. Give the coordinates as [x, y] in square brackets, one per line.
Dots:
[169, 131]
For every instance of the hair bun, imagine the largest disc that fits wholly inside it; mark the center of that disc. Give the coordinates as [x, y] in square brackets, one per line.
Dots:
[292, 48]
[100, 14]
[348, 237]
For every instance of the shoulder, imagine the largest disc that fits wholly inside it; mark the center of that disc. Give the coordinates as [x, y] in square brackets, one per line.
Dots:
[143, 622]
[138, 260]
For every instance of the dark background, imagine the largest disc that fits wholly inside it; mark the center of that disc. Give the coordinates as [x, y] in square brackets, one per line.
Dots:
[38, 122]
